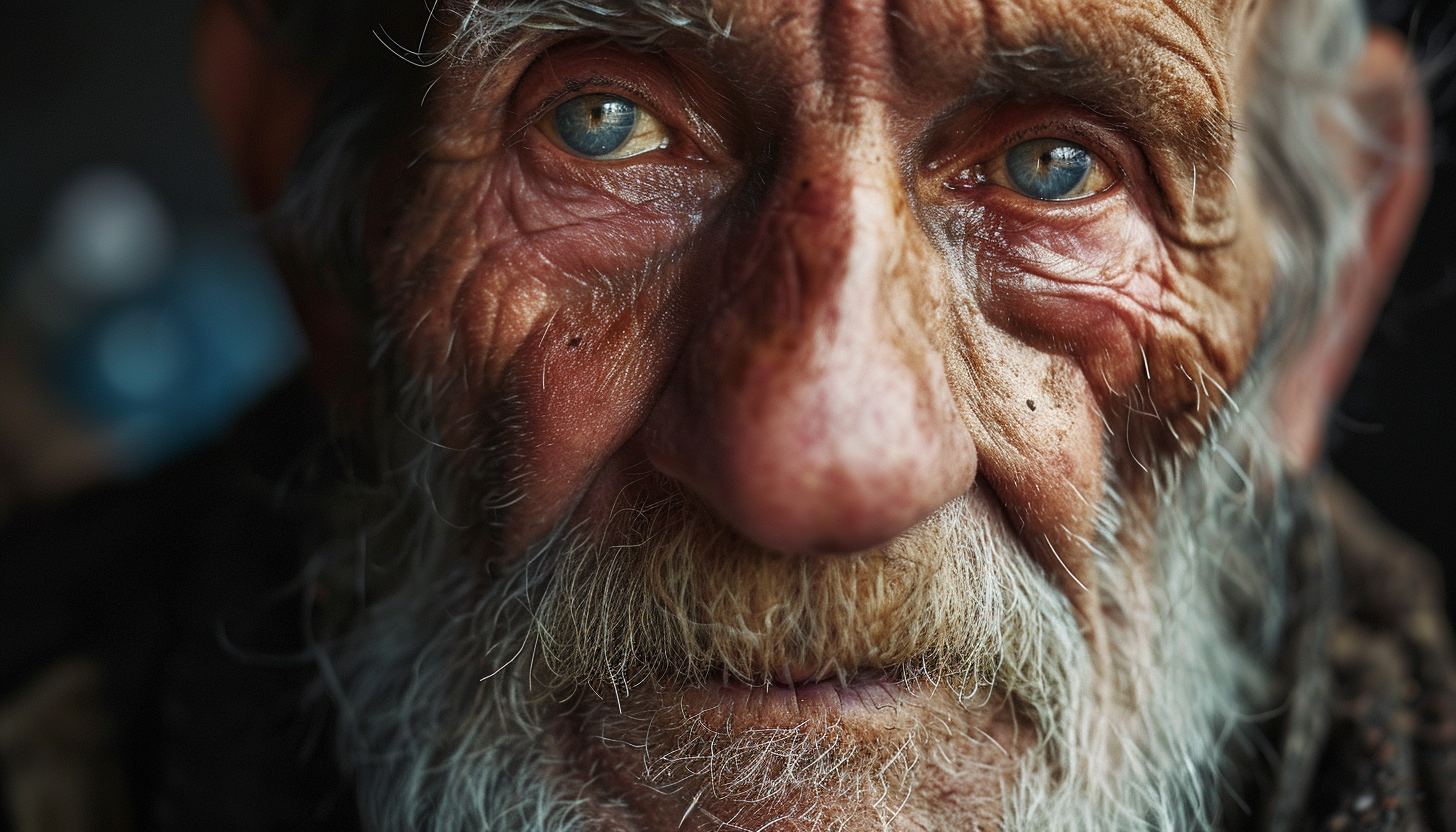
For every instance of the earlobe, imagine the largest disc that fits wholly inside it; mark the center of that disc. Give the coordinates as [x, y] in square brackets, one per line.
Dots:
[259, 97]
[1396, 175]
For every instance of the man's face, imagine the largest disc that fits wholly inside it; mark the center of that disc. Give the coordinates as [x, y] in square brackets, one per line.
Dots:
[824, 349]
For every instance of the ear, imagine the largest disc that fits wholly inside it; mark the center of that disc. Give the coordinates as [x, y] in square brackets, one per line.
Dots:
[259, 97]
[1388, 94]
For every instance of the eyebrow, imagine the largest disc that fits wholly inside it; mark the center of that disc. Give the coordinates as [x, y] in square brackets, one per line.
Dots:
[486, 29]
[1178, 101]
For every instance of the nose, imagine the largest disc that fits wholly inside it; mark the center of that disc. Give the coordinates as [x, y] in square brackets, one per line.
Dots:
[812, 410]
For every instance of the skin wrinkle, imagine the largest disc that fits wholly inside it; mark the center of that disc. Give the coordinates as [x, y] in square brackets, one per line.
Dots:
[634, 313]
[1138, 288]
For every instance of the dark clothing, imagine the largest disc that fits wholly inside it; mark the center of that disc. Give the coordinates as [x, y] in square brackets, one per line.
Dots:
[182, 591]
[154, 671]
[1389, 750]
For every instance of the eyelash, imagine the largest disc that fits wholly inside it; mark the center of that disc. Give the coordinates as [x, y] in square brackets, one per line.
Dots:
[585, 86]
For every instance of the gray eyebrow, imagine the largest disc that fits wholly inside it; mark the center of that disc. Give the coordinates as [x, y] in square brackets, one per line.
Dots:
[487, 28]
[1054, 70]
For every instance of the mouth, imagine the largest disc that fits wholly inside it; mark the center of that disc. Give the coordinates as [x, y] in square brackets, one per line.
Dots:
[862, 699]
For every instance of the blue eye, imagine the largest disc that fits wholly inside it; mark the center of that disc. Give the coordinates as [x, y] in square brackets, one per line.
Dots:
[604, 127]
[1055, 169]
[595, 125]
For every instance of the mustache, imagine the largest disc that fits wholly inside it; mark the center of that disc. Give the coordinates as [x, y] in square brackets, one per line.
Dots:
[669, 595]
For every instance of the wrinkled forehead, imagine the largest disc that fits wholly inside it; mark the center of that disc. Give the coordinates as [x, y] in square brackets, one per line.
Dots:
[1135, 40]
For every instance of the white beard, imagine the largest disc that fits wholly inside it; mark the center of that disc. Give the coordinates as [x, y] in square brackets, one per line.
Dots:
[449, 684]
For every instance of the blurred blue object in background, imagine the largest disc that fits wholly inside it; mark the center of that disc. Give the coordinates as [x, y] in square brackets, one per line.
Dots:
[157, 338]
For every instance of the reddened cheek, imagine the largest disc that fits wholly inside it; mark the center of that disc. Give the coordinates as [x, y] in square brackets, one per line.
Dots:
[496, 231]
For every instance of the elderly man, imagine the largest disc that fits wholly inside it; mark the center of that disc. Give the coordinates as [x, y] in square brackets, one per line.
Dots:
[847, 414]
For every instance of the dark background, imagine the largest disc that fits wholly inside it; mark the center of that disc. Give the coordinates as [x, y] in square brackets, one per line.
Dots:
[91, 81]
[1392, 436]
[98, 81]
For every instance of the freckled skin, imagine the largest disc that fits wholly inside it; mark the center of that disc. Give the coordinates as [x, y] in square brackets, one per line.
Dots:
[790, 312]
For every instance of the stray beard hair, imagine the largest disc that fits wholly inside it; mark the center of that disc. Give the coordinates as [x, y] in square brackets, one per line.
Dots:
[451, 677]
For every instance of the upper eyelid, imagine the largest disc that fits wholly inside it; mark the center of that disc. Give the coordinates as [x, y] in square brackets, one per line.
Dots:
[569, 88]
[980, 141]
[1059, 129]
[594, 84]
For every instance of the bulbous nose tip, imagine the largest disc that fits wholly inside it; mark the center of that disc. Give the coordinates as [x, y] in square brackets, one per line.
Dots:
[817, 501]
[840, 462]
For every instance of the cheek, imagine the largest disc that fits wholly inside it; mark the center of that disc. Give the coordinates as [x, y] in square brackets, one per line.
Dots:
[1096, 289]
[1142, 320]
[1039, 436]
[511, 287]
[1081, 342]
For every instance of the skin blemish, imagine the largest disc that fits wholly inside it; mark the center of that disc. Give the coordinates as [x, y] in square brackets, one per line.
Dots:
[574, 341]
[1030, 405]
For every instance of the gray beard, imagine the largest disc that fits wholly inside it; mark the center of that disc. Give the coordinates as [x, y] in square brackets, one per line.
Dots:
[451, 684]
